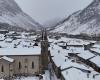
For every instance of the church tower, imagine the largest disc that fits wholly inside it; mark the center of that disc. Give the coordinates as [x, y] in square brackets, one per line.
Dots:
[44, 50]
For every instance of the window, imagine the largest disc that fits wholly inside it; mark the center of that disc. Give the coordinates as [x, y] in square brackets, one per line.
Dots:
[32, 65]
[20, 66]
[2, 68]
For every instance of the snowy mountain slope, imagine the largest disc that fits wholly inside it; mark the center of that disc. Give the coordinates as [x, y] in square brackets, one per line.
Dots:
[10, 13]
[85, 21]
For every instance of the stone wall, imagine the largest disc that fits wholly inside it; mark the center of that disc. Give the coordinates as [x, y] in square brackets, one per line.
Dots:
[22, 65]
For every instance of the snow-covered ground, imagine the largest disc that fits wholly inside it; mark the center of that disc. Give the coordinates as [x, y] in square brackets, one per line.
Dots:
[28, 78]
[46, 76]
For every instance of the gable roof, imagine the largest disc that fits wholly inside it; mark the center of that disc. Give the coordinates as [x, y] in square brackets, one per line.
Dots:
[7, 59]
[20, 51]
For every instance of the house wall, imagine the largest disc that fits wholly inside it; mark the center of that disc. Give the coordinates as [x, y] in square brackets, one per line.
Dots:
[25, 67]
[26, 64]
[7, 68]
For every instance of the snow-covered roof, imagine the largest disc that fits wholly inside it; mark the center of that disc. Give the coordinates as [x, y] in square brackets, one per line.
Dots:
[7, 58]
[77, 74]
[82, 53]
[86, 54]
[73, 64]
[74, 74]
[20, 51]
[59, 59]
[72, 41]
[1, 79]
[77, 70]
[96, 50]
[97, 44]
[96, 60]
[55, 49]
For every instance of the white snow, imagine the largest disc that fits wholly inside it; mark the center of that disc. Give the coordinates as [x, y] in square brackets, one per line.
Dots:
[96, 49]
[73, 24]
[74, 74]
[86, 54]
[28, 78]
[14, 16]
[46, 76]
[23, 46]
[96, 60]
[60, 58]
[20, 51]
[7, 58]
[69, 63]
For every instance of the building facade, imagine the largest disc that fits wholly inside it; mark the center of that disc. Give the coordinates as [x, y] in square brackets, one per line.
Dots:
[19, 65]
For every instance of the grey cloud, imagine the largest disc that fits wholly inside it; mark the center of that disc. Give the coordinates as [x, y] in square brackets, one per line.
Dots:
[43, 10]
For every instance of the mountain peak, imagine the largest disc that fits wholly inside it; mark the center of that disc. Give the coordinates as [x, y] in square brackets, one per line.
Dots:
[11, 13]
[9, 6]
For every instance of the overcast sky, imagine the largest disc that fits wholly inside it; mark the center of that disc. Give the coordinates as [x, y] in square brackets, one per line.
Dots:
[44, 10]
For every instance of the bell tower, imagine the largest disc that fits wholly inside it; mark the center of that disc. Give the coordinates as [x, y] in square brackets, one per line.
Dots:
[44, 50]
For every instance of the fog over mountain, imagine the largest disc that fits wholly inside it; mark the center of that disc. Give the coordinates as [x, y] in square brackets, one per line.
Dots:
[47, 10]
[12, 17]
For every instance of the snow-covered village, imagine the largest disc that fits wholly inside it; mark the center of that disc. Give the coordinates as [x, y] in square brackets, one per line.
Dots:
[42, 56]
[49, 40]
